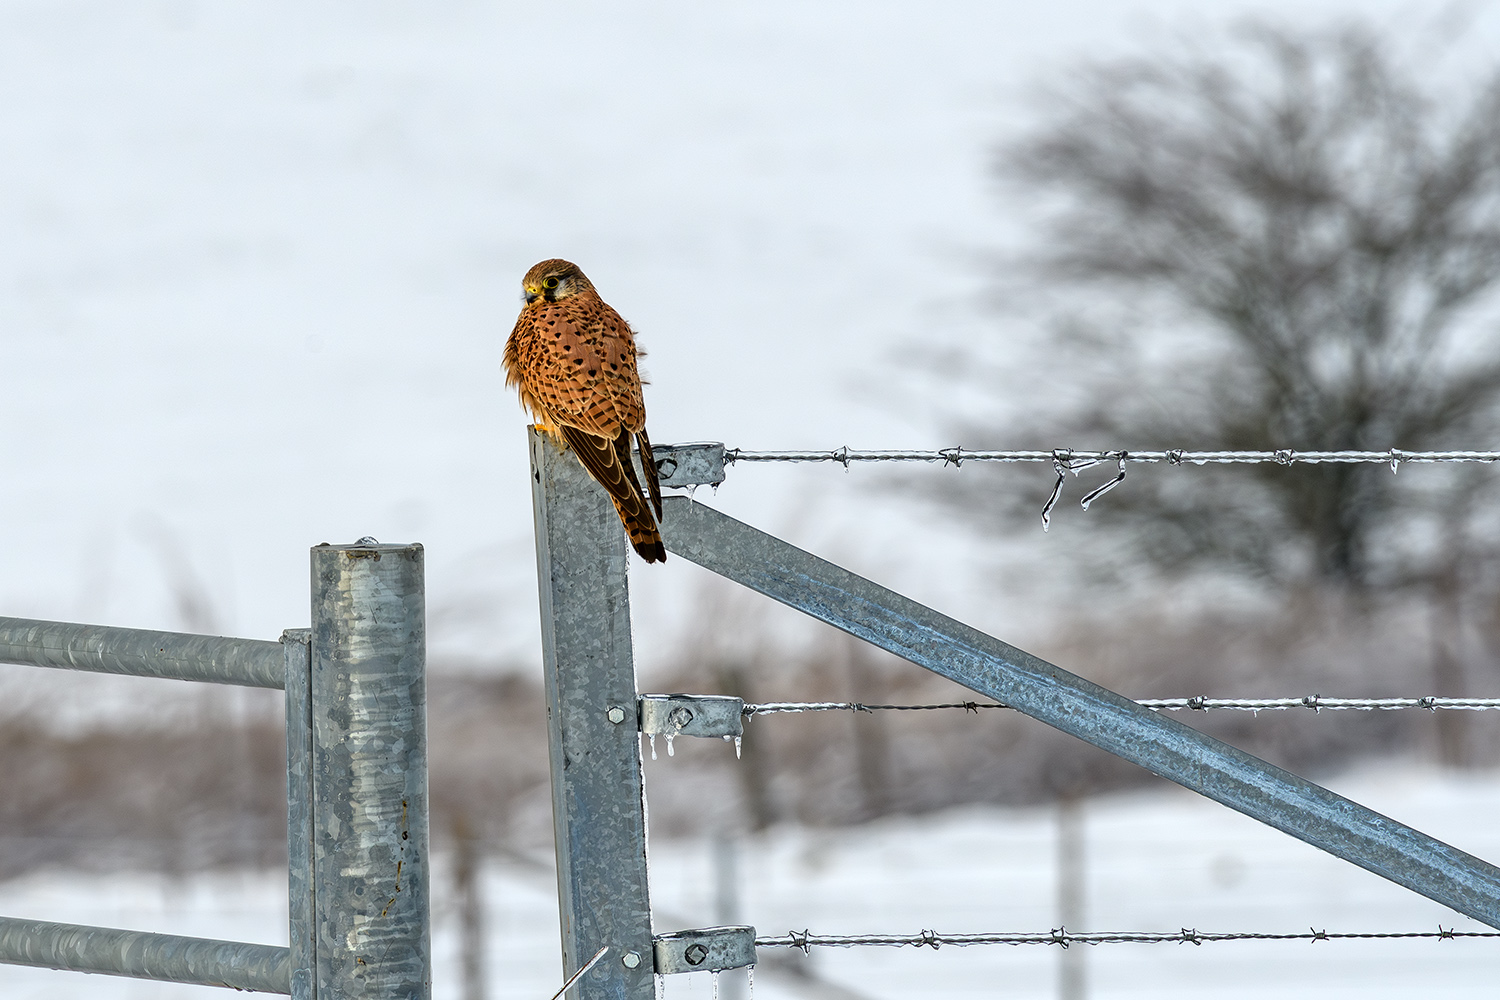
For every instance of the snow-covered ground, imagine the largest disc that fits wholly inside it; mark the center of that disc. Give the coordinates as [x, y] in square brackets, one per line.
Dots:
[1156, 861]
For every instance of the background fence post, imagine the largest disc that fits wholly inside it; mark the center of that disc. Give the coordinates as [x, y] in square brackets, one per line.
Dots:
[592, 729]
[297, 647]
[368, 705]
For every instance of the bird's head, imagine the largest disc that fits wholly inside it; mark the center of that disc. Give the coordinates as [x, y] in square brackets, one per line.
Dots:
[552, 280]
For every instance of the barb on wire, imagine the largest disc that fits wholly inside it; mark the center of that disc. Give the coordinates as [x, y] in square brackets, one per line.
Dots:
[1062, 475]
[1065, 461]
[1061, 936]
[1314, 703]
[1120, 478]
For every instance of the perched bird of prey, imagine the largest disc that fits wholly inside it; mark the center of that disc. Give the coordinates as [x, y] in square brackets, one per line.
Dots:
[572, 358]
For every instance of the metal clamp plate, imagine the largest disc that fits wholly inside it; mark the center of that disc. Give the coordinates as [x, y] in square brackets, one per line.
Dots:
[707, 949]
[692, 715]
[700, 463]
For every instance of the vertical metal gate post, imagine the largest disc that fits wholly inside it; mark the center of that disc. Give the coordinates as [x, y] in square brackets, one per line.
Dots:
[592, 725]
[368, 823]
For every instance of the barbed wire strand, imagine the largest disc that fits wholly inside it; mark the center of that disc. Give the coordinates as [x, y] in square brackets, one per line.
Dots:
[1066, 460]
[1079, 460]
[1314, 703]
[806, 940]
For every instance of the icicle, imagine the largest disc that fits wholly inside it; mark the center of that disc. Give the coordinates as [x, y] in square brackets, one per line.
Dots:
[652, 738]
[660, 986]
[737, 740]
[750, 982]
[671, 752]
[715, 975]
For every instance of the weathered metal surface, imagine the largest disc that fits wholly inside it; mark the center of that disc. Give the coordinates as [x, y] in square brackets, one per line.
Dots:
[297, 644]
[369, 793]
[597, 810]
[706, 949]
[700, 463]
[1084, 709]
[692, 715]
[139, 955]
[106, 650]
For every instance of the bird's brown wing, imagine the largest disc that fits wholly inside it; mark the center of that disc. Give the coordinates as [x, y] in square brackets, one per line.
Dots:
[608, 461]
[648, 463]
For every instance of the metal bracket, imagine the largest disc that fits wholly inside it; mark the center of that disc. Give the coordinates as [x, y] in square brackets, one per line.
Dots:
[692, 715]
[707, 949]
[700, 463]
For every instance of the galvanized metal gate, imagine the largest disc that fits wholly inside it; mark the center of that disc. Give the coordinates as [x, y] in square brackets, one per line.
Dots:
[356, 742]
[596, 713]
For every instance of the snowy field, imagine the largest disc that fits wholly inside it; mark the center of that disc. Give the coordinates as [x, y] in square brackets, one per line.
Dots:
[1157, 861]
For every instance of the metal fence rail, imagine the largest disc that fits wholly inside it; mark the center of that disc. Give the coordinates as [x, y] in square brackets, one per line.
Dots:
[141, 653]
[355, 686]
[139, 955]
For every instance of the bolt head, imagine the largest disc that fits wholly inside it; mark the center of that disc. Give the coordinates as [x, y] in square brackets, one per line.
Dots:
[680, 717]
[616, 715]
[630, 959]
[695, 953]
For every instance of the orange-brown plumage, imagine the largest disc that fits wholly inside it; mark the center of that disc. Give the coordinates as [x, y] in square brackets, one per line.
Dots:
[572, 359]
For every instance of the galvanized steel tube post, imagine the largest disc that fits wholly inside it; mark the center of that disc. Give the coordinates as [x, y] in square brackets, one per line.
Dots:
[368, 706]
[598, 813]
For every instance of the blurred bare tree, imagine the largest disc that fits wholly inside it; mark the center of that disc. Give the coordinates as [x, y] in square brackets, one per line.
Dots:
[1319, 230]
[1291, 240]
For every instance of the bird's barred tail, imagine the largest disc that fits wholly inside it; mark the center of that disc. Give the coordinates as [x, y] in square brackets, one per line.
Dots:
[608, 461]
[643, 533]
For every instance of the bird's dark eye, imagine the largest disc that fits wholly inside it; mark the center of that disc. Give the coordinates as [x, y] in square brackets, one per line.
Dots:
[549, 284]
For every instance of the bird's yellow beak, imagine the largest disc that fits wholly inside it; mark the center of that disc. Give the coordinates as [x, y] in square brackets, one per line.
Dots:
[531, 292]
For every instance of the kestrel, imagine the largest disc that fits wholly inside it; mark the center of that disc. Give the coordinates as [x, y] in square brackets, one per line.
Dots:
[572, 358]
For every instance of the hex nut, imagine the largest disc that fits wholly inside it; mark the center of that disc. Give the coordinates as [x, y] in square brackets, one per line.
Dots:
[616, 714]
[680, 717]
[695, 953]
[631, 959]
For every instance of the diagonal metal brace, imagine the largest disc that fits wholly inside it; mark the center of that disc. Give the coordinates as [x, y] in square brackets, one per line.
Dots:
[1083, 709]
